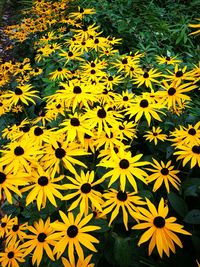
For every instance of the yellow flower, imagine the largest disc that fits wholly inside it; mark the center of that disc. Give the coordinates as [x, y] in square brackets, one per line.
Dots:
[117, 201]
[155, 135]
[22, 94]
[40, 241]
[147, 78]
[163, 173]
[124, 166]
[13, 255]
[160, 228]
[72, 232]
[84, 186]
[80, 263]
[168, 60]
[189, 153]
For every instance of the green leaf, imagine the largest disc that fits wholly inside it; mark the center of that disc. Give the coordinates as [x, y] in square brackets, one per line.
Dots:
[178, 204]
[192, 217]
[122, 251]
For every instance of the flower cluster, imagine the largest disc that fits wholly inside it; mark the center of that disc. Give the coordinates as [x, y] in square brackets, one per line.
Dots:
[73, 115]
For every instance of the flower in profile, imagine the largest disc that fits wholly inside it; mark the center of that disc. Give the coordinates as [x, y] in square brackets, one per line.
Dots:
[161, 230]
[179, 75]
[84, 190]
[21, 94]
[9, 182]
[80, 263]
[189, 135]
[168, 60]
[80, 14]
[196, 27]
[189, 153]
[17, 232]
[40, 241]
[72, 232]
[117, 200]
[6, 223]
[12, 256]
[124, 166]
[163, 173]
[155, 135]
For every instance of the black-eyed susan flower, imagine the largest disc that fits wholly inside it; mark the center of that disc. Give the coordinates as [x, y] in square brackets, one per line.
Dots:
[72, 233]
[160, 229]
[155, 135]
[62, 152]
[163, 173]
[43, 186]
[108, 141]
[60, 73]
[80, 14]
[17, 232]
[9, 182]
[189, 153]
[19, 155]
[102, 118]
[173, 95]
[6, 223]
[124, 167]
[80, 263]
[75, 128]
[22, 94]
[118, 201]
[147, 78]
[144, 105]
[39, 240]
[168, 60]
[13, 256]
[84, 192]
[179, 75]
[189, 135]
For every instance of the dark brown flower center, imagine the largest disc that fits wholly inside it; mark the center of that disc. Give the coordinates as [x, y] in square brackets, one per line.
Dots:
[146, 75]
[171, 91]
[196, 149]
[18, 91]
[41, 237]
[38, 131]
[122, 196]
[87, 136]
[3, 225]
[125, 98]
[179, 73]
[70, 54]
[192, 131]
[110, 78]
[11, 254]
[159, 222]
[164, 171]
[92, 71]
[75, 122]
[86, 188]
[92, 65]
[124, 61]
[25, 129]
[15, 227]
[60, 153]
[155, 134]
[167, 58]
[124, 164]
[2, 177]
[18, 151]
[43, 180]
[144, 103]
[101, 113]
[72, 231]
[59, 69]
[77, 90]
